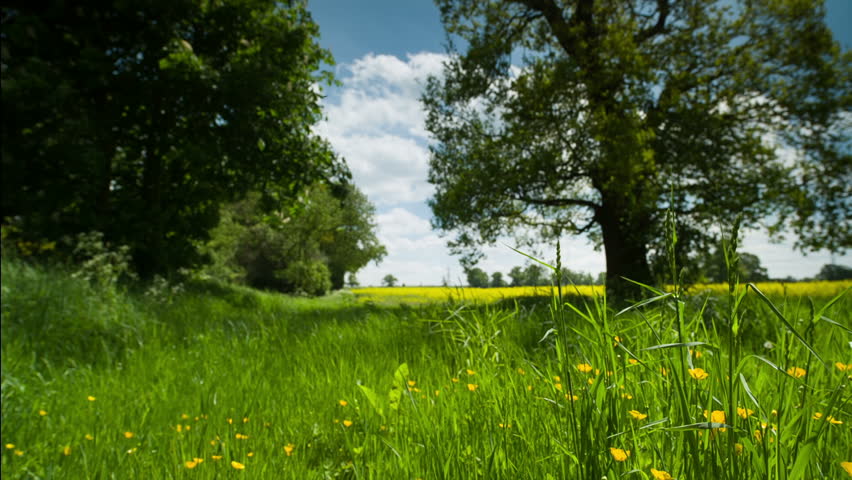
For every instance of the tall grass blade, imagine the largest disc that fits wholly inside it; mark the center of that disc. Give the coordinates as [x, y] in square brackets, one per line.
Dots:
[785, 321]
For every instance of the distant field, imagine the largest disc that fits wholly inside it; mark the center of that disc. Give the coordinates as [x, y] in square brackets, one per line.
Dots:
[226, 382]
[431, 294]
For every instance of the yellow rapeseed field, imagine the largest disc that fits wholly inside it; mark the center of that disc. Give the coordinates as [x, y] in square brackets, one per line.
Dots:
[439, 294]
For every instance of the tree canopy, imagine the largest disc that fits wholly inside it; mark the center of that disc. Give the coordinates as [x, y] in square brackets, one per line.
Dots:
[138, 119]
[306, 245]
[595, 116]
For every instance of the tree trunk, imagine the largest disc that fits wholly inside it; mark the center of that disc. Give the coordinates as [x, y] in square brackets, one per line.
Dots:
[625, 238]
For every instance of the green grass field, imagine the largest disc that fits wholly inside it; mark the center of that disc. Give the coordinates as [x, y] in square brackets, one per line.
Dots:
[223, 382]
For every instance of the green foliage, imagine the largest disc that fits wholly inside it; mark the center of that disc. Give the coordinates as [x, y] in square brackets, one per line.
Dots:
[834, 272]
[389, 280]
[621, 110]
[139, 120]
[308, 277]
[477, 278]
[497, 280]
[430, 391]
[326, 235]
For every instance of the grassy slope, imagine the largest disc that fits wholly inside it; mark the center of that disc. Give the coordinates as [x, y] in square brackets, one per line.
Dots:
[484, 403]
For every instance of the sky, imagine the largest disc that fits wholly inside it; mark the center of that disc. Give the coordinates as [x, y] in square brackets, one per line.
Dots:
[384, 50]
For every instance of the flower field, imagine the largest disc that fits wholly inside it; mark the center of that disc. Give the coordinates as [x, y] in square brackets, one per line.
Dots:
[225, 382]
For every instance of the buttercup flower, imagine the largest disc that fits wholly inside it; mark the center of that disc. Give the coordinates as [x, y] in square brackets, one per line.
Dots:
[796, 372]
[347, 423]
[661, 474]
[288, 449]
[847, 466]
[698, 373]
[472, 387]
[637, 415]
[618, 454]
[744, 412]
[343, 403]
[584, 367]
[237, 465]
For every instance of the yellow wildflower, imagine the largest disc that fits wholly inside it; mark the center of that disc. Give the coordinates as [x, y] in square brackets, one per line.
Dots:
[470, 372]
[557, 378]
[240, 436]
[42, 412]
[472, 387]
[843, 367]
[89, 436]
[347, 423]
[19, 453]
[633, 361]
[288, 449]
[698, 373]
[184, 416]
[245, 419]
[661, 474]
[828, 419]
[618, 454]
[67, 450]
[91, 398]
[521, 371]
[10, 446]
[716, 416]
[590, 381]
[744, 412]
[216, 458]
[191, 464]
[738, 448]
[343, 403]
[695, 353]
[573, 397]
[584, 367]
[455, 380]
[230, 421]
[411, 383]
[847, 466]
[250, 454]
[128, 435]
[237, 465]
[796, 372]
[131, 451]
[637, 415]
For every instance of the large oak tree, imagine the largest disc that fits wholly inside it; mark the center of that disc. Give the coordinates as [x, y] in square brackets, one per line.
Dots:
[595, 116]
[138, 119]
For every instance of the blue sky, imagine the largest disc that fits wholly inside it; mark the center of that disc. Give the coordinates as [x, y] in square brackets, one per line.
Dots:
[384, 49]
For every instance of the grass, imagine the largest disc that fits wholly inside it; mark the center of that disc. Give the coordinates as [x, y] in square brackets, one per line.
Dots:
[223, 381]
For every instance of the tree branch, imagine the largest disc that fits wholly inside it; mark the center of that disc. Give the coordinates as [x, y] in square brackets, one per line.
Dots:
[659, 27]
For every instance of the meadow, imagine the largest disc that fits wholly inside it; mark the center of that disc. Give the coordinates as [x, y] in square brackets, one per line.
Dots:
[218, 381]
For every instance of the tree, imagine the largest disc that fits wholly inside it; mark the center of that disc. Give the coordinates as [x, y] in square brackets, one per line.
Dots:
[389, 280]
[140, 119]
[352, 281]
[307, 244]
[518, 276]
[621, 110]
[534, 275]
[750, 270]
[834, 272]
[497, 280]
[570, 277]
[477, 278]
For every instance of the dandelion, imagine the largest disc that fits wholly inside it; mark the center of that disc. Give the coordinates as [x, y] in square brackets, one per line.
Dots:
[637, 415]
[661, 474]
[237, 465]
[618, 454]
[343, 403]
[470, 372]
[584, 367]
[472, 387]
[67, 450]
[744, 412]
[847, 466]
[796, 372]
[91, 398]
[347, 423]
[129, 435]
[288, 449]
[698, 373]
[42, 412]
